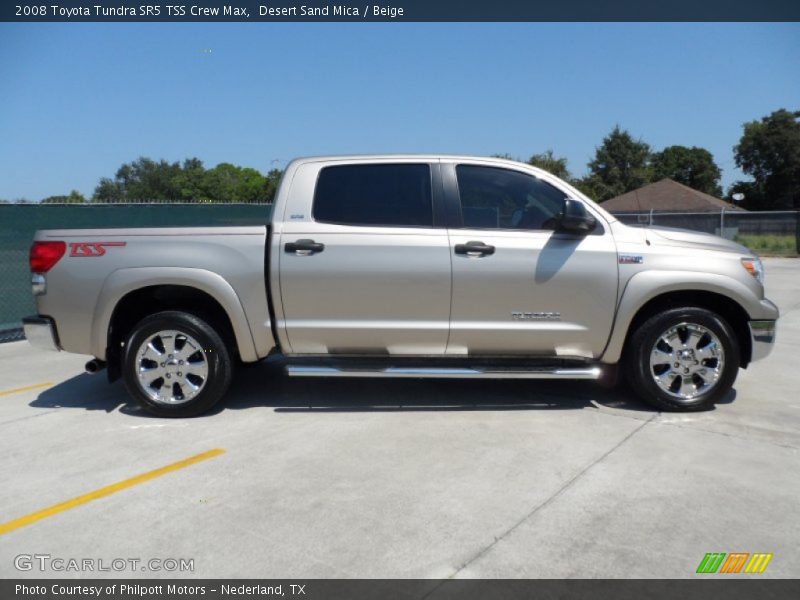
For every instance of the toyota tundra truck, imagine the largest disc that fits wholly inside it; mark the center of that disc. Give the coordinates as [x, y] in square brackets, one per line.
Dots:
[406, 266]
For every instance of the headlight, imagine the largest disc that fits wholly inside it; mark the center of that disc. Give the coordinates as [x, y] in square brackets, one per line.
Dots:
[755, 268]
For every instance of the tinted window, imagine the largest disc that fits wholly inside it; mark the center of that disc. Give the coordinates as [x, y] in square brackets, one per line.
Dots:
[394, 195]
[494, 198]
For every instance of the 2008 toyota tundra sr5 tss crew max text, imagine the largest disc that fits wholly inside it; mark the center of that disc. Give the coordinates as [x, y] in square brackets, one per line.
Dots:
[406, 266]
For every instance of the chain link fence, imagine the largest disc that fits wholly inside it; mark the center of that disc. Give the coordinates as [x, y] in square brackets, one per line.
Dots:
[18, 223]
[772, 233]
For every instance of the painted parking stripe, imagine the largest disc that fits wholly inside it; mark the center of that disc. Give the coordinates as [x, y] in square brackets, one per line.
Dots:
[26, 388]
[105, 491]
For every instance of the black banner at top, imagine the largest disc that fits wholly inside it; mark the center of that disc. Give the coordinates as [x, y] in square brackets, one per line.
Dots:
[399, 10]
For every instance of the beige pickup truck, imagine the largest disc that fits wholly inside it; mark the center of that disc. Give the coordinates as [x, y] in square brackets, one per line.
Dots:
[406, 266]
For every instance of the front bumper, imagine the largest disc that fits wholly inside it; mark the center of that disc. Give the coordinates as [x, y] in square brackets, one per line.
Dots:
[762, 338]
[41, 332]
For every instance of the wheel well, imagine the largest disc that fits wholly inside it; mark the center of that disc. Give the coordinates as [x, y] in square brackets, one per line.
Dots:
[138, 304]
[728, 309]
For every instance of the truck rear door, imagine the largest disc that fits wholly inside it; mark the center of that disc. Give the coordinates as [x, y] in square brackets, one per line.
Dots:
[364, 261]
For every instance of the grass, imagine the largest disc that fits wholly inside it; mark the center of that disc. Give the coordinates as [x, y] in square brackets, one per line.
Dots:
[768, 244]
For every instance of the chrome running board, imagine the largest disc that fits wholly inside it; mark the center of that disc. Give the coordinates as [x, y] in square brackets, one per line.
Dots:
[446, 372]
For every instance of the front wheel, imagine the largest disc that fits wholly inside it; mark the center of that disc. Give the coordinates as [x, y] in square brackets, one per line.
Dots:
[176, 365]
[684, 359]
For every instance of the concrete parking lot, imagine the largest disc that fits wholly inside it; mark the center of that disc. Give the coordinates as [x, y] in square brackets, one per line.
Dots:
[413, 479]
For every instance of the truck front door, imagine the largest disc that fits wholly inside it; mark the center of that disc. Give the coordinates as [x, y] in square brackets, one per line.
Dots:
[520, 287]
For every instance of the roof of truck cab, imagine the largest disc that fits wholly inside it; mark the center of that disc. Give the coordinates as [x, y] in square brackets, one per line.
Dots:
[336, 157]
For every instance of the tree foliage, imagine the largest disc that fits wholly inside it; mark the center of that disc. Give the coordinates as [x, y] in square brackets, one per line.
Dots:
[621, 164]
[552, 164]
[693, 166]
[74, 197]
[769, 151]
[145, 180]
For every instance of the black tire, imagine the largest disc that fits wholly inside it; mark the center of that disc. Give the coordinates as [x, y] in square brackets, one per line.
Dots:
[216, 354]
[641, 343]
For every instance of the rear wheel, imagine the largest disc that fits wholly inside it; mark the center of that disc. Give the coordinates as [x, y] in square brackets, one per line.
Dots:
[684, 359]
[176, 365]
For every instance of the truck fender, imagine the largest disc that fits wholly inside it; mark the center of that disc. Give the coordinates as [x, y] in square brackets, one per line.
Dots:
[646, 285]
[123, 281]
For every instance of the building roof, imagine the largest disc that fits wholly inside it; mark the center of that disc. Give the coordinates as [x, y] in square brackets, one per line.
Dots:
[667, 195]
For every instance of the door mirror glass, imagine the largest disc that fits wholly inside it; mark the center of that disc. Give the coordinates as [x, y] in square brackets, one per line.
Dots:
[574, 218]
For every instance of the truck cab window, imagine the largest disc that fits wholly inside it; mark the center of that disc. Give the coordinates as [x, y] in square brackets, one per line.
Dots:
[392, 195]
[496, 198]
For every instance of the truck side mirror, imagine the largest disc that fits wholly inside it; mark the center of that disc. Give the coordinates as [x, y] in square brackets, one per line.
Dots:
[574, 218]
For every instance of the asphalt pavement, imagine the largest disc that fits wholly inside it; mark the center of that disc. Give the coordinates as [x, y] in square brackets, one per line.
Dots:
[376, 478]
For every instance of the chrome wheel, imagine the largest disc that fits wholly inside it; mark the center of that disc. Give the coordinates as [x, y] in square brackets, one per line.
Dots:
[171, 367]
[687, 360]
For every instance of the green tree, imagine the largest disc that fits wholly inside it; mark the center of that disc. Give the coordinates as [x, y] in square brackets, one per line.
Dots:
[229, 183]
[552, 164]
[189, 182]
[74, 197]
[594, 187]
[272, 180]
[693, 166]
[146, 180]
[143, 180]
[621, 164]
[769, 151]
[108, 190]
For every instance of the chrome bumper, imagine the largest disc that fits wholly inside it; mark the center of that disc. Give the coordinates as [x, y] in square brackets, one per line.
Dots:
[762, 338]
[41, 332]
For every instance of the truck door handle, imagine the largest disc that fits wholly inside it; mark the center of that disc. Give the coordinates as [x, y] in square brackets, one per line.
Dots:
[474, 249]
[304, 247]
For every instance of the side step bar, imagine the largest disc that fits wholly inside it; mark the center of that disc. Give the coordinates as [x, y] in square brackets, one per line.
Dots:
[446, 372]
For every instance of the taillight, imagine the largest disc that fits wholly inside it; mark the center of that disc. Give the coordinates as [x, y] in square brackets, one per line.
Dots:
[46, 254]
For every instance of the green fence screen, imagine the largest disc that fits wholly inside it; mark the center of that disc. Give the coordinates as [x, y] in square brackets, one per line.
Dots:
[18, 223]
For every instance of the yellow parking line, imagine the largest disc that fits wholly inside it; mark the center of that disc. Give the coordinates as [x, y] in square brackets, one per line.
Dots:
[26, 388]
[105, 491]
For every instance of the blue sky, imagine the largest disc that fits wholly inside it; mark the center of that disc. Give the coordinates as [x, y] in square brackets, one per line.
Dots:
[78, 100]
